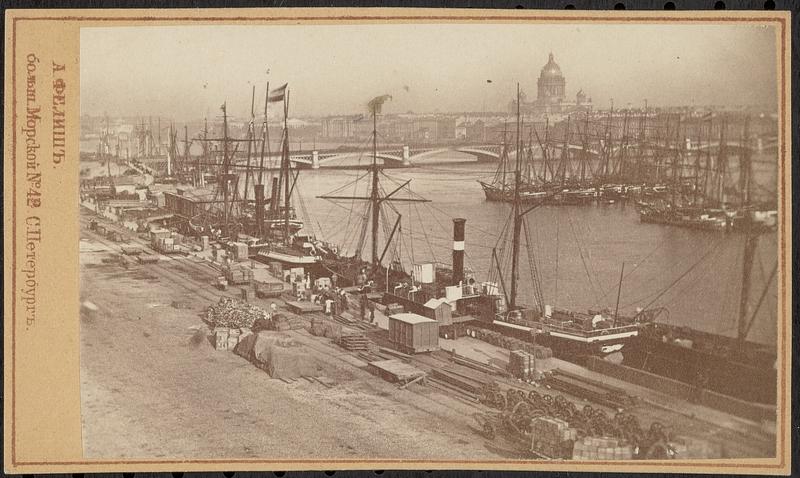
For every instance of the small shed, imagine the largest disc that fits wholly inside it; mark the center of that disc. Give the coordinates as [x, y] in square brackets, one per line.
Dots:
[442, 311]
[413, 333]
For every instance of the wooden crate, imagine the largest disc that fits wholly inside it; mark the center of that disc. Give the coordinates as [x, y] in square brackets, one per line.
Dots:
[413, 333]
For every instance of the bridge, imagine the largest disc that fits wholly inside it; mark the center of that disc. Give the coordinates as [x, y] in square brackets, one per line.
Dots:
[409, 156]
[398, 157]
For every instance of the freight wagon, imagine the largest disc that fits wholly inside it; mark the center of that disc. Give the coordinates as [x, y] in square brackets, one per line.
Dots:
[413, 333]
[238, 275]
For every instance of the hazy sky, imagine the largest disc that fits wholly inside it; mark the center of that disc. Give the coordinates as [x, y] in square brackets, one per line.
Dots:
[187, 72]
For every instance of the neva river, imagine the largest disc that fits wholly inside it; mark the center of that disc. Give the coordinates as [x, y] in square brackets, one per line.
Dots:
[579, 250]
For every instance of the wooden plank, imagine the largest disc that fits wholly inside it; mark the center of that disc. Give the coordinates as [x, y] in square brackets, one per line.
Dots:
[395, 370]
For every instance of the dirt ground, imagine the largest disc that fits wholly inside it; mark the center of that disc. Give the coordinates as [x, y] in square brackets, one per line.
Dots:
[149, 391]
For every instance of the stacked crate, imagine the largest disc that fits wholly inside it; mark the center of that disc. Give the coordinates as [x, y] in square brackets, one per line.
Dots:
[239, 275]
[552, 437]
[601, 448]
[521, 364]
[226, 338]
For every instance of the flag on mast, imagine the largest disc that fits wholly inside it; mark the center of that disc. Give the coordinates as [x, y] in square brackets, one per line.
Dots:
[278, 93]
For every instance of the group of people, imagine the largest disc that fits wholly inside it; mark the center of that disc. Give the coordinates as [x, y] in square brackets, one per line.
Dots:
[324, 293]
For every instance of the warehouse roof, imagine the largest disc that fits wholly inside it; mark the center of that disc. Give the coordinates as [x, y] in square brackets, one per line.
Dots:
[410, 318]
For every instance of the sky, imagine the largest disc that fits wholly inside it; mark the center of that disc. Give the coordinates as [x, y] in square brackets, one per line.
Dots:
[187, 72]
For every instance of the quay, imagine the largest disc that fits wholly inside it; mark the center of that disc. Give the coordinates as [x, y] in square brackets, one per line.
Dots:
[144, 344]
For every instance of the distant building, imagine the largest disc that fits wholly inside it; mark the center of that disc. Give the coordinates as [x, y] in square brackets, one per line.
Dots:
[551, 97]
[471, 130]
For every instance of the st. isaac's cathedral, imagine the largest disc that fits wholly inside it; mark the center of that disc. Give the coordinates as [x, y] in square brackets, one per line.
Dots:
[551, 96]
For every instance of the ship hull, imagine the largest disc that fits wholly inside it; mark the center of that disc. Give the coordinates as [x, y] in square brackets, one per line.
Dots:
[566, 346]
[751, 380]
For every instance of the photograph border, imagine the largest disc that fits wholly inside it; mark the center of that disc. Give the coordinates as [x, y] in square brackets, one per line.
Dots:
[781, 20]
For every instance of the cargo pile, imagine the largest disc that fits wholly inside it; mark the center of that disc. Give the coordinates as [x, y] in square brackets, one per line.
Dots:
[279, 356]
[233, 313]
[601, 448]
[510, 343]
[552, 437]
[521, 364]
[227, 339]
[354, 342]
[283, 322]
[238, 275]
[325, 328]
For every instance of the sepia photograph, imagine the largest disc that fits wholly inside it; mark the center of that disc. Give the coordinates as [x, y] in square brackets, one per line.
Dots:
[429, 242]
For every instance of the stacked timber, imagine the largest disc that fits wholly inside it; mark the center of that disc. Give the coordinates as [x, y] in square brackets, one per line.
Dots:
[354, 342]
[233, 313]
[496, 338]
[283, 322]
[601, 448]
[461, 380]
[147, 258]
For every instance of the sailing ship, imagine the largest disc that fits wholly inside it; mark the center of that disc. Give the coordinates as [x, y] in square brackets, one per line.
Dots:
[700, 200]
[732, 366]
[569, 334]
[381, 270]
[554, 184]
[288, 245]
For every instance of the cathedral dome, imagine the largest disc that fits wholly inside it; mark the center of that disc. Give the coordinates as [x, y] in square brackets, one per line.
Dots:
[551, 70]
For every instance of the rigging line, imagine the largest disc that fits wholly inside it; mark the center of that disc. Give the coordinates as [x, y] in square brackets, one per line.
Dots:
[732, 266]
[583, 260]
[586, 232]
[537, 289]
[444, 229]
[684, 274]
[558, 228]
[425, 232]
[658, 246]
[411, 232]
[677, 265]
[700, 284]
[472, 225]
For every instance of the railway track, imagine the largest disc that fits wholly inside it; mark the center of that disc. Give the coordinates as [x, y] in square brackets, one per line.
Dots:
[461, 403]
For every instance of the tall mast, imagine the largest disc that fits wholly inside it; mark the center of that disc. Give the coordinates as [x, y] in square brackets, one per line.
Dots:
[286, 167]
[200, 172]
[750, 236]
[517, 216]
[251, 137]
[264, 139]
[374, 199]
[225, 166]
[185, 148]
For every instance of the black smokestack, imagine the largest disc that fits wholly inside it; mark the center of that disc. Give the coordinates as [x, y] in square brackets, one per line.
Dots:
[259, 190]
[458, 250]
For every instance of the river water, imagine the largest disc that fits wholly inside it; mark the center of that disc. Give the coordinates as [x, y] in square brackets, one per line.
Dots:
[579, 250]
